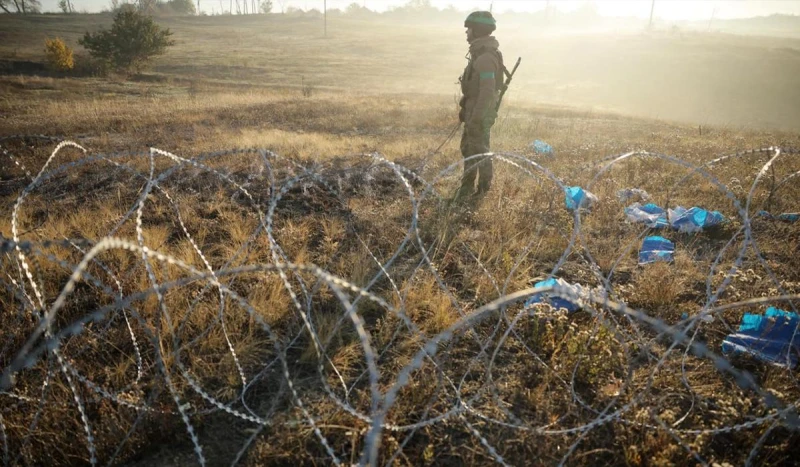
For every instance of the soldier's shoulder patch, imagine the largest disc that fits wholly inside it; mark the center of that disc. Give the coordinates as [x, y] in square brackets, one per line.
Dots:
[487, 75]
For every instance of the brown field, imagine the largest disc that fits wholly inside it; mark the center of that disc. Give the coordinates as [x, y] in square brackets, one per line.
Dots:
[597, 387]
[720, 79]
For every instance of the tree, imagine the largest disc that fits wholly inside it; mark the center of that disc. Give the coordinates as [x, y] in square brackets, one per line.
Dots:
[266, 6]
[356, 9]
[147, 7]
[66, 6]
[22, 6]
[31, 6]
[419, 5]
[133, 40]
[181, 7]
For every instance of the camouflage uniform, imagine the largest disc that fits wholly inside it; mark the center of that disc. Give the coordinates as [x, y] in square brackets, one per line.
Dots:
[480, 85]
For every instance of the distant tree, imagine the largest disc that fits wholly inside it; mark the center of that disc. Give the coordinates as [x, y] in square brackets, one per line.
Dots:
[133, 40]
[419, 5]
[587, 10]
[181, 7]
[117, 5]
[356, 9]
[147, 7]
[450, 9]
[249, 7]
[266, 6]
[22, 6]
[32, 6]
[66, 6]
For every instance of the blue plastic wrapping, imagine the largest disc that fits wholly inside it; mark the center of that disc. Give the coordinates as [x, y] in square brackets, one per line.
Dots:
[655, 248]
[649, 214]
[771, 338]
[684, 220]
[540, 147]
[550, 297]
[694, 219]
[569, 303]
[576, 197]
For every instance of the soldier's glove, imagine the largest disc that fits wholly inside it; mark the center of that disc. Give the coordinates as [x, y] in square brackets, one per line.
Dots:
[462, 113]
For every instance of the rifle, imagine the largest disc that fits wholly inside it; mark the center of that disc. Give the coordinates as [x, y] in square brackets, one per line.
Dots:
[509, 76]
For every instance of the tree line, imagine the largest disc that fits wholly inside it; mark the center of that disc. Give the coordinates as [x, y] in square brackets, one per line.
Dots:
[412, 8]
[179, 7]
[238, 7]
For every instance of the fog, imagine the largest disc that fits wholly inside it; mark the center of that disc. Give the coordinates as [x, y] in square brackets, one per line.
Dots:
[719, 70]
[689, 73]
[666, 10]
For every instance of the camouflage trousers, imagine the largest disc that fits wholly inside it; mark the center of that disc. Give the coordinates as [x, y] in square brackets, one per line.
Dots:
[476, 141]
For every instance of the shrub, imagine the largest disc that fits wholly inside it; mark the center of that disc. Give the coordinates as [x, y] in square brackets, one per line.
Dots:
[87, 66]
[133, 40]
[58, 55]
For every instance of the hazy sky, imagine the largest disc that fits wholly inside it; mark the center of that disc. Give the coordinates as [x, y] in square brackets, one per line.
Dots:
[665, 9]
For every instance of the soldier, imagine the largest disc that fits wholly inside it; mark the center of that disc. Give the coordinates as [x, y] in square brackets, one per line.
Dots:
[480, 83]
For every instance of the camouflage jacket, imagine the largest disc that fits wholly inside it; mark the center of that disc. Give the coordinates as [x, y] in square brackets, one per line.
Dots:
[481, 81]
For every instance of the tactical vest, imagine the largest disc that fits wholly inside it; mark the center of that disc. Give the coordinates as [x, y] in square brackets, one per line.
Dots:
[468, 76]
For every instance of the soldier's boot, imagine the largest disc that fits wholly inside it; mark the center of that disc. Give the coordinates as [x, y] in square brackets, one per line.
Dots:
[467, 187]
[485, 177]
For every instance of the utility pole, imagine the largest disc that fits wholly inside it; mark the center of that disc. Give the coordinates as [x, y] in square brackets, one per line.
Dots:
[713, 13]
[652, 8]
[325, 15]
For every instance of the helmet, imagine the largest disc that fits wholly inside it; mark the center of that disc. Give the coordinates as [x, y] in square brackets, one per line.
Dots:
[481, 20]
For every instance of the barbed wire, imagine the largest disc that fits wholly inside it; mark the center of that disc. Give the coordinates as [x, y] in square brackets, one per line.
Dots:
[369, 346]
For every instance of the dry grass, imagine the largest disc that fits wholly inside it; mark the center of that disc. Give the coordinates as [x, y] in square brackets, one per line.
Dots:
[475, 256]
[513, 237]
[707, 79]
